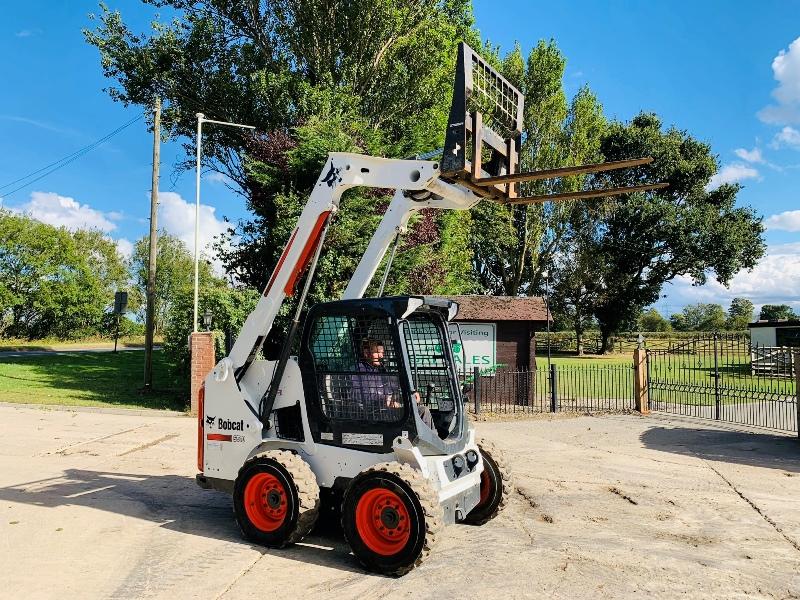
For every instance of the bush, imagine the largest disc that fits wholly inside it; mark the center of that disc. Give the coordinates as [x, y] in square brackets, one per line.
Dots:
[229, 306]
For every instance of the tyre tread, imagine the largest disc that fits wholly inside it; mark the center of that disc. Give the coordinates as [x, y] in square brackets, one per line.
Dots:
[498, 457]
[305, 483]
[429, 501]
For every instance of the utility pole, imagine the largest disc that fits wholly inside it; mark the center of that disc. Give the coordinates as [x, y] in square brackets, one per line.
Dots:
[151, 269]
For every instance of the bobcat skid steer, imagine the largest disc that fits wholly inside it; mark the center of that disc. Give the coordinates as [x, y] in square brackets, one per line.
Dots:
[371, 409]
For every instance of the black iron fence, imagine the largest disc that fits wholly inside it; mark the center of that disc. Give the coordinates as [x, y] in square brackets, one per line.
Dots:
[561, 388]
[715, 376]
[725, 377]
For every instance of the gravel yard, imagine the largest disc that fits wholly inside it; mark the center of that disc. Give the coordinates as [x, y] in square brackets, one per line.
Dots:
[104, 505]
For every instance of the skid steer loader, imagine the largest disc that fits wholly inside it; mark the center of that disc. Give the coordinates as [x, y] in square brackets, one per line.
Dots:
[370, 410]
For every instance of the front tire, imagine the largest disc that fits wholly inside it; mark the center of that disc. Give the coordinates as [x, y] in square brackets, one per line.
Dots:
[276, 499]
[391, 518]
[495, 486]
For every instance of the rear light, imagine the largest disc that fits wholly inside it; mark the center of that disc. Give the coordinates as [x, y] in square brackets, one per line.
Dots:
[201, 396]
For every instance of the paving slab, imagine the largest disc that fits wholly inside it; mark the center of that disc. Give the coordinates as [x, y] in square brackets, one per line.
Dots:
[96, 504]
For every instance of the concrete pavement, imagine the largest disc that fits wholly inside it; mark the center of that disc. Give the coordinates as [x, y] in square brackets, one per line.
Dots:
[102, 505]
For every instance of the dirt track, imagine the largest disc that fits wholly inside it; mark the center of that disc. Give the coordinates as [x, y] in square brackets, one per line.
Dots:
[98, 505]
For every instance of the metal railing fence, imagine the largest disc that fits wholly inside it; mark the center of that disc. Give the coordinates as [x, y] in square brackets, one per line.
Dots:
[562, 388]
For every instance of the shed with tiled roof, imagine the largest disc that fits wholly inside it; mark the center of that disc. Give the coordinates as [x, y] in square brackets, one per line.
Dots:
[514, 322]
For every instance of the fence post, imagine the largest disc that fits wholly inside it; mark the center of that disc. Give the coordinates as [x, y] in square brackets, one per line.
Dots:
[640, 382]
[553, 389]
[797, 389]
[716, 380]
[476, 386]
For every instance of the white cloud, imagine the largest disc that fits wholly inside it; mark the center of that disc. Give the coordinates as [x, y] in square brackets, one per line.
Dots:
[62, 211]
[786, 70]
[40, 125]
[731, 174]
[788, 136]
[785, 221]
[775, 280]
[125, 248]
[215, 177]
[27, 33]
[176, 215]
[751, 156]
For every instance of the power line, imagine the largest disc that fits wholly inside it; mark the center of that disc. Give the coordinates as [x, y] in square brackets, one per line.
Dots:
[55, 166]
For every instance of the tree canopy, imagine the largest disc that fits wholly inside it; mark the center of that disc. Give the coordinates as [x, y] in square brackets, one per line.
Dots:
[647, 239]
[740, 313]
[53, 282]
[375, 76]
[775, 312]
[174, 273]
[369, 76]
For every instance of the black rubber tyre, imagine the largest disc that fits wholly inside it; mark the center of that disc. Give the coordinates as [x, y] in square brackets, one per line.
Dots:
[495, 486]
[276, 499]
[391, 518]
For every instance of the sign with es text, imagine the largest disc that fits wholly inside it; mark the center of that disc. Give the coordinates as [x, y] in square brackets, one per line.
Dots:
[479, 349]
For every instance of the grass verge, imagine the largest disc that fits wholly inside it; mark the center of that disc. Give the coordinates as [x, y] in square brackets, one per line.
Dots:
[90, 379]
[18, 345]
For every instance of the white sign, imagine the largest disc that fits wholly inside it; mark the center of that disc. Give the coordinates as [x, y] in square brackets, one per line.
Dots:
[479, 345]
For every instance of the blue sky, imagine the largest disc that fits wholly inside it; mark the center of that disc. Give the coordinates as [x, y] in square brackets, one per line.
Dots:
[727, 72]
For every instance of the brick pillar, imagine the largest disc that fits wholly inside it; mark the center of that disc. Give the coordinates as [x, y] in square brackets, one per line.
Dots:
[640, 398]
[201, 346]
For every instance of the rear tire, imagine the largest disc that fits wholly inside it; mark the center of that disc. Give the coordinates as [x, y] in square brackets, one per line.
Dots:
[391, 518]
[495, 486]
[276, 499]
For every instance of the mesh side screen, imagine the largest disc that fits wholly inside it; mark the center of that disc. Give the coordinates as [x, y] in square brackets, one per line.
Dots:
[356, 369]
[494, 99]
[428, 363]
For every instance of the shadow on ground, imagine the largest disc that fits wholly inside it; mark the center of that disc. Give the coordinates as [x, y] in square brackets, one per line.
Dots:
[727, 445]
[178, 504]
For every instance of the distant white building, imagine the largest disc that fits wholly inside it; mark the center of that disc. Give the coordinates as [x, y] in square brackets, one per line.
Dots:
[783, 332]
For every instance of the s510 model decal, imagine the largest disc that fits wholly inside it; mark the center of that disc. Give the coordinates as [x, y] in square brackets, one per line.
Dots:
[224, 437]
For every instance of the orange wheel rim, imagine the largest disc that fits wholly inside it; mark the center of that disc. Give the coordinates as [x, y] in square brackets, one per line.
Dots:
[486, 484]
[382, 521]
[265, 502]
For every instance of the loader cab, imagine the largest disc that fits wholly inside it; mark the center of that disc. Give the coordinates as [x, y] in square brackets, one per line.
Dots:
[368, 365]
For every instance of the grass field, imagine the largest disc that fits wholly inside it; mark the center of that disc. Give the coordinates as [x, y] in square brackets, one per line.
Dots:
[682, 379]
[89, 379]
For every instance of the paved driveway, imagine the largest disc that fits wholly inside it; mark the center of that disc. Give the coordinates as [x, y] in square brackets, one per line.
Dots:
[99, 505]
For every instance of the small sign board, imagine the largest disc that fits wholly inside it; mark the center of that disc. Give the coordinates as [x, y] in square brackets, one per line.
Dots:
[479, 345]
[120, 302]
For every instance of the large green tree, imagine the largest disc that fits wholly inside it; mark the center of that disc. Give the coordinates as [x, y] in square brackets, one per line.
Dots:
[514, 245]
[53, 282]
[652, 320]
[174, 274]
[775, 312]
[313, 77]
[740, 313]
[699, 317]
[648, 239]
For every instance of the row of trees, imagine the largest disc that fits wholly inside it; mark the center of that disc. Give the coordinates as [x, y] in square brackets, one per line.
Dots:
[712, 317]
[53, 282]
[375, 76]
[56, 283]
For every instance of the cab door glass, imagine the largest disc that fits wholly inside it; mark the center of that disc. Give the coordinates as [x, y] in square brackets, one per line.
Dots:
[427, 356]
[356, 368]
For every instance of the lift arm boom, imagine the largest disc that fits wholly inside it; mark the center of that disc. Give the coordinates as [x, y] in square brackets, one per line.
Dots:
[417, 186]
